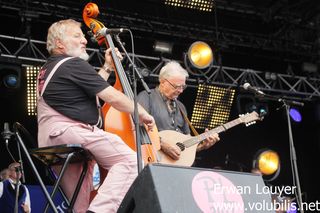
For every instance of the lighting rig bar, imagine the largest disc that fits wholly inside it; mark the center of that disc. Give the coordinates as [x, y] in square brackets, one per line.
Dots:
[33, 52]
[152, 27]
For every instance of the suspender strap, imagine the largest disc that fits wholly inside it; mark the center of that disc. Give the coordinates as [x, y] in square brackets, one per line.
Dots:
[100, 121]
[51, 74]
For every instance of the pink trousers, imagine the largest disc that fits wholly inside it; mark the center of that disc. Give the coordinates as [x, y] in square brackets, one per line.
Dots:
[111, 153]
[108, 150]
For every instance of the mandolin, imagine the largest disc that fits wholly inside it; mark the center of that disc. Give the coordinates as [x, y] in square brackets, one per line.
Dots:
[188, 144]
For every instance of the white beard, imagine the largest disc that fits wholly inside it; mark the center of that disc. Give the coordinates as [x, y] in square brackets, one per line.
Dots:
[77, 53]
[84, 56]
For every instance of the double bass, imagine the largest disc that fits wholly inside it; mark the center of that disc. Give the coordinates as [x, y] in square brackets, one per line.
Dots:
[117, 122]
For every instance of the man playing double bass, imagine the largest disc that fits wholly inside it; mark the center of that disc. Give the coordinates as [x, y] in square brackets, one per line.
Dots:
[69, 90]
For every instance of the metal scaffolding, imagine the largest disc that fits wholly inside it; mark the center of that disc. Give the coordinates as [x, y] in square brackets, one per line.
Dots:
[33, 52]
[152, 27]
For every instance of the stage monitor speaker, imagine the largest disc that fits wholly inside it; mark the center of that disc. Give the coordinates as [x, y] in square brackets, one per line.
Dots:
[172, 189]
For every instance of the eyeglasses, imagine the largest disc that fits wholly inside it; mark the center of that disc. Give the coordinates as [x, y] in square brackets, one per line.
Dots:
[176, 87]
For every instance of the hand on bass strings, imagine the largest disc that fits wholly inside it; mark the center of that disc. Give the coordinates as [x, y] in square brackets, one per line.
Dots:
[108, 64]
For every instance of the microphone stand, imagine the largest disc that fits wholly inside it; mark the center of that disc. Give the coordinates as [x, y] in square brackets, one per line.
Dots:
[6, 134]
[293, 156]
[136, 71]
[17, 191]
[24, 148]
[21, 164]
[135, 113]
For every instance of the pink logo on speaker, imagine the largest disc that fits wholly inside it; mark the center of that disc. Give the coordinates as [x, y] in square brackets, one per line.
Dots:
[214, 193]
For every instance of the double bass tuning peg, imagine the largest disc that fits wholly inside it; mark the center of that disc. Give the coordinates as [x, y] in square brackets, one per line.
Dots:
[92, 25]
[92, 37]
[90, 33]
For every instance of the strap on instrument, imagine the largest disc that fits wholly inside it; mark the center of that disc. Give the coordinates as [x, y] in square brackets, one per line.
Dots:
[194, 131]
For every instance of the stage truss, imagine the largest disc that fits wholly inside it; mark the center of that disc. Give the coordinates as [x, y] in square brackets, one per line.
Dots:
[33, 52]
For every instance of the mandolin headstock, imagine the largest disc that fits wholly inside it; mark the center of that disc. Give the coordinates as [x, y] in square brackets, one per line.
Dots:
[251, 118]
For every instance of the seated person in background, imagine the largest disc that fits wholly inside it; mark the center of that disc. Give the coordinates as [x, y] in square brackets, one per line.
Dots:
[8, 192]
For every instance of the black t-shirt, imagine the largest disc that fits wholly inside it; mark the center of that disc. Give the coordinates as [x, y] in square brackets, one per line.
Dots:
[72, 89]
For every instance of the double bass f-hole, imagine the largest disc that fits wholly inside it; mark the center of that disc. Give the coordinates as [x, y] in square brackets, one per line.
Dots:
[117, 122]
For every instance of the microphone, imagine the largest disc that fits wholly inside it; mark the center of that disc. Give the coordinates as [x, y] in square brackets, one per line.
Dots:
[258, 92]
[6, 134]
[250, 88]
[106, 31]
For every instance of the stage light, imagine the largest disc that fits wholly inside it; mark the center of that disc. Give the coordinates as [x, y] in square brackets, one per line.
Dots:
[10, 76]
[248, 103]
[295, 115]
[260, 108]
[270, 76]
[200, 55]
[309, 67]
[32, 73]
[163, 47]
[267, 162]
[11, 80]
[212, 106]
[202, 5]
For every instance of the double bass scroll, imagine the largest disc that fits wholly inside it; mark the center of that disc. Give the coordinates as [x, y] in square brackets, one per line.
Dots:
[118, 122]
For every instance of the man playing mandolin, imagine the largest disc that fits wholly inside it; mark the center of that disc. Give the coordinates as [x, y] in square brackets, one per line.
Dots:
[69, 90]
[167, 110]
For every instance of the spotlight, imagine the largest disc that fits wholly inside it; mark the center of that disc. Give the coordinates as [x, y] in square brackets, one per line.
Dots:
[10, 76]
[11, 81]
[295, 115]
[270, 76]
[145, 72]
[260, 108]
[200, 55]
[248, 103]
[309, 67]
[267, 162]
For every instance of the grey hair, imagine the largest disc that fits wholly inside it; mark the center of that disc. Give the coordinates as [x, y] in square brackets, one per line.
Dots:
[57, 31]
[172, 69]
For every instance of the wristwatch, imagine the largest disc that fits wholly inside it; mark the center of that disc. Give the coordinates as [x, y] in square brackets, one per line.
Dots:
[107, 69]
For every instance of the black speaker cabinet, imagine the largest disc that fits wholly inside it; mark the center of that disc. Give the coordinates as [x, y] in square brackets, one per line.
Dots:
[172, 189]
